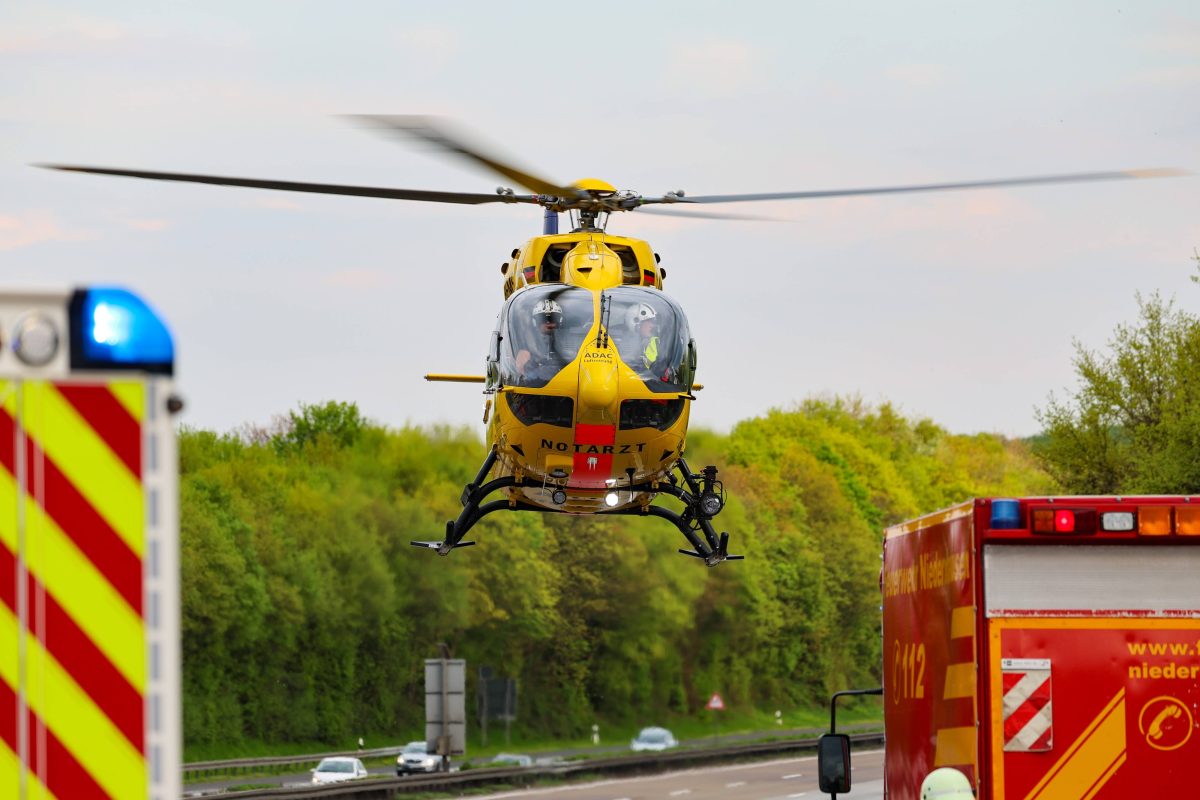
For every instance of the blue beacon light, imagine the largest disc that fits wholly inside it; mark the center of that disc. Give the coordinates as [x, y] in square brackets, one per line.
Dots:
[113, 328]
[1006, 514]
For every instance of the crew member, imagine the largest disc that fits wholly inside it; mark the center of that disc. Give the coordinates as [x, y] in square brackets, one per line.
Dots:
[542, 360]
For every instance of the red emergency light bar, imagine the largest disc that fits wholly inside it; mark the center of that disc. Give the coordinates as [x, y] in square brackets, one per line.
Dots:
[1063, 520]
[1144, 520]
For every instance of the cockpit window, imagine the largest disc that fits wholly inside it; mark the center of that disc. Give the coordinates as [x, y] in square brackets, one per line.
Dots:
[546, 328]
[651, 335]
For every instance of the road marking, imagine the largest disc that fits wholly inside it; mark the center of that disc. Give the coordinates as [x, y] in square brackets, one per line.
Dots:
[735, 784]
[801, 794]
[678, 792]
[793, 775]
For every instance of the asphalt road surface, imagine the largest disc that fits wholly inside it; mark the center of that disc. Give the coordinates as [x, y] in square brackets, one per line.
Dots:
[780, 779]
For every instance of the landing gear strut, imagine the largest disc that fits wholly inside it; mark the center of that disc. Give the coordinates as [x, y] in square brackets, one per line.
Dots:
[703, 497]
[701, 493]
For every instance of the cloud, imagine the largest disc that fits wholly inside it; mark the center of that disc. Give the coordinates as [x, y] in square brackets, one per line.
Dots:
[277, 202]
[430, 44]
[1182, 76]
[33, 227]
[359, 279]
[1183, 38]
[712, 67]
[916, 75]
[60, 33]
[148, 224]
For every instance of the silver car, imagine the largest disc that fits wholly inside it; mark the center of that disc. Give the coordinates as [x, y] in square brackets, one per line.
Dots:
[415, 757]
[653, 739]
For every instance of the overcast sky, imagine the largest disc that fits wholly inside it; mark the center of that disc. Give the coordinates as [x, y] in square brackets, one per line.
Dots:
[957, 306]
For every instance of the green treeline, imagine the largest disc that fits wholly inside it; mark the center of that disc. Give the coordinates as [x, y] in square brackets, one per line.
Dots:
[307, 615]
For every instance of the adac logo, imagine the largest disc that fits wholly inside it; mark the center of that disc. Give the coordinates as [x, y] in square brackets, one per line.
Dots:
[598, 355]
[1166, 723]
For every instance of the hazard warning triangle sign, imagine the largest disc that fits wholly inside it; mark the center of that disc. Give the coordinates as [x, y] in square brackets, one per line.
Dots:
[715, 703]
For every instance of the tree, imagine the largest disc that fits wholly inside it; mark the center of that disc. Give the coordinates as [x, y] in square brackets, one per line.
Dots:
[1133, 423]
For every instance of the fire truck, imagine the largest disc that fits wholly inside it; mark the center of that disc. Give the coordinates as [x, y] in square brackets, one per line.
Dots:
[1044, 647]
[89, 565]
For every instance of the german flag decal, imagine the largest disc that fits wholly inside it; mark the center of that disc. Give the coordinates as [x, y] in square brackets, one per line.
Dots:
[72, 540]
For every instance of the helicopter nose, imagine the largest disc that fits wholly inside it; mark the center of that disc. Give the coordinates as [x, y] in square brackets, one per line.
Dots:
[598, 379]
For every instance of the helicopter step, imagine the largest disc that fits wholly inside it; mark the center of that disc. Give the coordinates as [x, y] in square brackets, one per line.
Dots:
[702, 495]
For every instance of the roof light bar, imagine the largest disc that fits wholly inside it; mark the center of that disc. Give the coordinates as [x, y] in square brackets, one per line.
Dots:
[1187, 520]
[1063, 520]
[1154, 520]
[1118, 521]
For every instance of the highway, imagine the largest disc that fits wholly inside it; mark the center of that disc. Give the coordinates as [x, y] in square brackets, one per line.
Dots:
[777, 779]
[773, 779]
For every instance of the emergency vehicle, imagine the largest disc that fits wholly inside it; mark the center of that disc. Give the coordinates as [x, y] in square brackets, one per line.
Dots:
[1045, 647]
[89, 566]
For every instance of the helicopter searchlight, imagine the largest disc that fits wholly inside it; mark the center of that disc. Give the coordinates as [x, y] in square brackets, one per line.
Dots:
[590, 371]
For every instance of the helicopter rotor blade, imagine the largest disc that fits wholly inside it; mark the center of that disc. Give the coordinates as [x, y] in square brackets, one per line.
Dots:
[1079, 177]
[463, 198]
[670, 212]
[431, 132]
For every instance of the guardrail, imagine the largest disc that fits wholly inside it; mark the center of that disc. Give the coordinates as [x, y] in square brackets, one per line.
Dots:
[234, 765]
[388, 788]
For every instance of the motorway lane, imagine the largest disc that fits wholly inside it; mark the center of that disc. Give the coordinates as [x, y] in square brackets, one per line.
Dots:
[779, 779]
[300, 778]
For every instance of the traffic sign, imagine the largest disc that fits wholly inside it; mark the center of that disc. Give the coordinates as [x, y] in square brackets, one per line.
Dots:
[715, 703]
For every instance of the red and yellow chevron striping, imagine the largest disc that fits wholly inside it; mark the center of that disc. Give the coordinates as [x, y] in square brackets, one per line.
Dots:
[72, 536]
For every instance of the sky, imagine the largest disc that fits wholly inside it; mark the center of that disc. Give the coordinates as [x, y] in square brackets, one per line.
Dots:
[963, 307]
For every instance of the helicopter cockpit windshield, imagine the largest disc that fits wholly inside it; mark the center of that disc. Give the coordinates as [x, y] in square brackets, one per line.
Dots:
[651, 335]
[546, 327]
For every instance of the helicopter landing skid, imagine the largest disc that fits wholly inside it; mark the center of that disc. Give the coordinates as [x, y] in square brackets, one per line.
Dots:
[703, 498]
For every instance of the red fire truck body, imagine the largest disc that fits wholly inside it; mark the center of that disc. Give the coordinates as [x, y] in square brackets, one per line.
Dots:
[1047, 648]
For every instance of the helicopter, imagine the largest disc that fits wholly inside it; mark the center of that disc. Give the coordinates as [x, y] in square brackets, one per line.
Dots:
[590, 369]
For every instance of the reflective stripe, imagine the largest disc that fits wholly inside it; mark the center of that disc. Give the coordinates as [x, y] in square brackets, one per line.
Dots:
[86, 460]
[75, 721]
[132, 395]
[650, 354]
[51, 771]
[89, 599]
[77, 653]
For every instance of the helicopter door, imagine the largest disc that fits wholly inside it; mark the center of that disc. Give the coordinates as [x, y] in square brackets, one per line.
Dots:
[546, 326]
[651, 335]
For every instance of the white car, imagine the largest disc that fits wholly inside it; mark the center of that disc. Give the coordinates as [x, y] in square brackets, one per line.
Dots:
[653, 739]
[336, 770]
[415, 757]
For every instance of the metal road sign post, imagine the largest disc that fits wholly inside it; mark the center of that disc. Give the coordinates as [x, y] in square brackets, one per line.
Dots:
[445, 707]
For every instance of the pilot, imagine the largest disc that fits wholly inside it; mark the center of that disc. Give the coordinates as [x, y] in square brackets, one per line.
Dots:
[542, 358]
[644, 322]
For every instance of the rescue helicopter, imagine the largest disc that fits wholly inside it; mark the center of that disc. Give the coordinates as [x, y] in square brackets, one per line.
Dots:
[590, 369]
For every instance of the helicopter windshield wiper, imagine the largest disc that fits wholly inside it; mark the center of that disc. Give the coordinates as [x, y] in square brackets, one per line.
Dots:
[602, 330]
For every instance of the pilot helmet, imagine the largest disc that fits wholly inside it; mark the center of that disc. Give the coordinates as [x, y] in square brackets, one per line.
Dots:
[639, 314]
[547, 310]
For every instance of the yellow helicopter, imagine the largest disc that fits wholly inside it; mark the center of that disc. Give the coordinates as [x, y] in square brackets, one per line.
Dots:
[590, 369]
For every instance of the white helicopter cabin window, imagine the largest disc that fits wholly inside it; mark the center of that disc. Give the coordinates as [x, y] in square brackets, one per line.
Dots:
[546, 327]
[650, 332]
